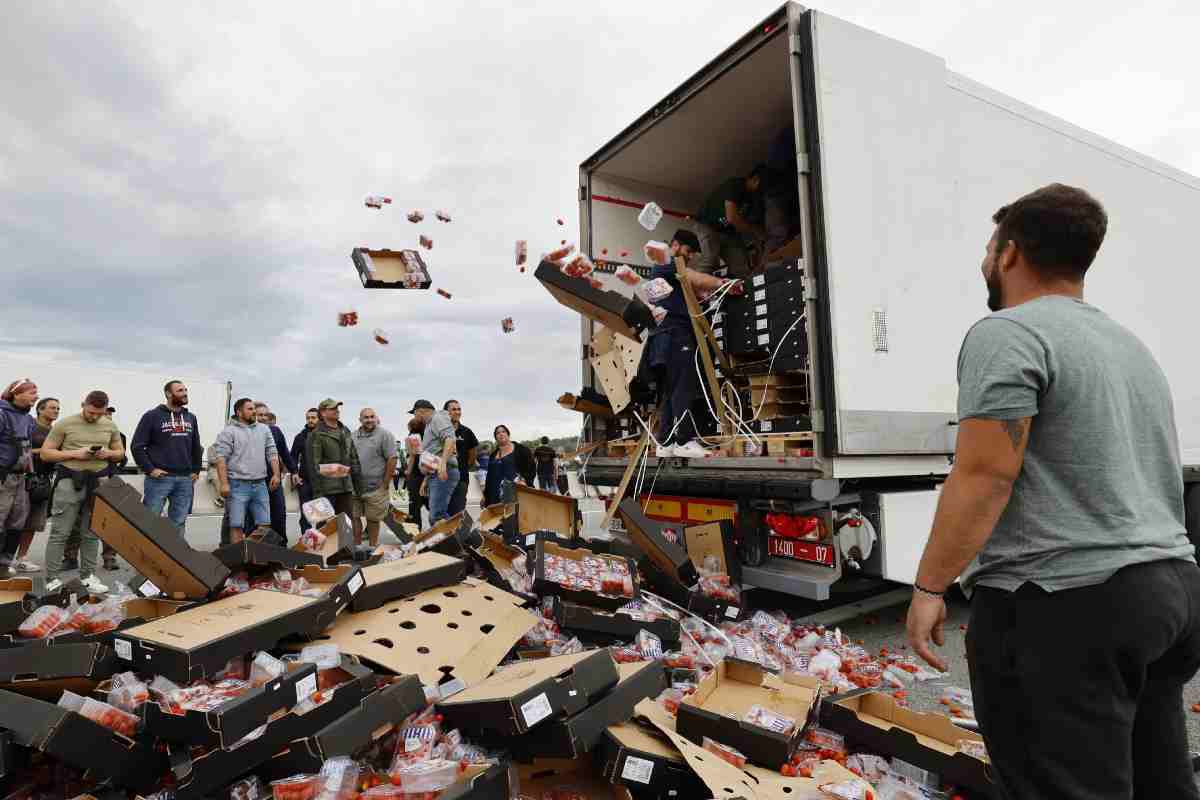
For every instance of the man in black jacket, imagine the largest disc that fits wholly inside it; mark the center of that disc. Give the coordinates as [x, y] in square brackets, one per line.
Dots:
[278, 499]
[166, 446]
[300, 478]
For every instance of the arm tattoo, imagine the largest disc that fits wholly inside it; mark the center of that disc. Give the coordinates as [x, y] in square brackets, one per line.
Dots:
[1015, 428]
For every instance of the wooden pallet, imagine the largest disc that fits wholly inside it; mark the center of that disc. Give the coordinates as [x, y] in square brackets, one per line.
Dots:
[787, 445]
[622, 449]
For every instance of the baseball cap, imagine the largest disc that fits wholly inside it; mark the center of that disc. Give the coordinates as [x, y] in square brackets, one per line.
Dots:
[328, 402]
[421, 404]
[111, 410]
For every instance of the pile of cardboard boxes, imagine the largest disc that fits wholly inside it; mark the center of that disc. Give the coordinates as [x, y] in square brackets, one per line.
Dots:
[417, 676]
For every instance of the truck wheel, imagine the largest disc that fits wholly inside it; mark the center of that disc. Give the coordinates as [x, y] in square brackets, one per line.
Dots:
[753, 549]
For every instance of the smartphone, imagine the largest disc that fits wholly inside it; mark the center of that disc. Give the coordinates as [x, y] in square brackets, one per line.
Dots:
[95, 448]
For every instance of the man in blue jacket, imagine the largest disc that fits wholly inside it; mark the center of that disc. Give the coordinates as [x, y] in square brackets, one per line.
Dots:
[166, 446]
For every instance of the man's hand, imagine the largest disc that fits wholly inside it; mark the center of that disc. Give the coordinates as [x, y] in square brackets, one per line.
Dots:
[195, 477]
[273, 484]
[297, 481]
[82, 454]
[926, 614]
[224, 489]
[104, 454]
[161, 473]
[443, 473]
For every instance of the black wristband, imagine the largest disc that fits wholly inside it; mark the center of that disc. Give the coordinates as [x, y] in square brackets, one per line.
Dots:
[918, 587]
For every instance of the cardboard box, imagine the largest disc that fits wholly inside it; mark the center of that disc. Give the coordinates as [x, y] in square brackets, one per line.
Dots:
[78, 741]
[546, 511]
[542, 586]
[683, 596]
[644, 760]
[521, 696]
[451, 637]
[17, 602]
[339, 542]
[616, 628]
[398, 523]
[498, 517]
[199, 777]
[580, 733]
[628, 316]
[339, 586]
[229, 722]
[389, 269]
[152, 544]
[393, 580]
[647, 535]
[137, 611]
[719, 706]
[253, 551]
[493, 555]
[717, 539]
[482, 782]
[874, 721]
[377, 715]
[196, 643]
[461, 536]
[542, 776]
[44, 670]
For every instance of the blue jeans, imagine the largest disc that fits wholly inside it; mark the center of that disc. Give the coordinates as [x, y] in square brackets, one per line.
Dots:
[174, 488]
[440, 492]
[251, 497]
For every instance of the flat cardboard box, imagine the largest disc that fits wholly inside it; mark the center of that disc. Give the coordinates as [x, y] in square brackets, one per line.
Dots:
[229, 722]
[44, 670]
[644, 760]
[386, 269]
[493, 555]
[579, 734]
[521, 696]
[78, 741]
[624, 315]
[647, 534]
[197, 643]
[546, 511]
[17, 602]
[377, 715]
[721, 701]
[339, 542]
[616, 628]
[718, 540]
[199, 777]
[253, 551]
[874, 721]
[451, 637]
[393, 580]
[152, 544]
[542, 586]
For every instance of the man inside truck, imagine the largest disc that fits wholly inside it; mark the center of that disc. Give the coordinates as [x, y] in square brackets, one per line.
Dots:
[1064, 517]
[730, 213]
[670, 353]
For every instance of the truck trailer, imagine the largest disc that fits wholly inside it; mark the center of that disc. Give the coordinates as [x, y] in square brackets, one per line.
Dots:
[900, 163]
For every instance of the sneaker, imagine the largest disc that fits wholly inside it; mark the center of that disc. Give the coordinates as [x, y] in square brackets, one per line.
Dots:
[70, 564]
[664, 451]
[692, 449]
[53, 586]
[26, 566]
[93, 585]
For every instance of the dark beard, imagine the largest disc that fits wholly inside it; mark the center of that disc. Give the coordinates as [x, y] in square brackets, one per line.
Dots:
[994, 302]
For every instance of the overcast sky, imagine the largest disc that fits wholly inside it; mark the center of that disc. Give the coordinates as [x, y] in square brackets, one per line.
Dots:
[181, 184]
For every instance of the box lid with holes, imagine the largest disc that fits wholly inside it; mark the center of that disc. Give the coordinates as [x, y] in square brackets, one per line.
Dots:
[152, 544]
[451, 637]
[521, 696]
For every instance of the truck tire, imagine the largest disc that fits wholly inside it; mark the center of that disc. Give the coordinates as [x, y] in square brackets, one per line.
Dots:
[752, 549]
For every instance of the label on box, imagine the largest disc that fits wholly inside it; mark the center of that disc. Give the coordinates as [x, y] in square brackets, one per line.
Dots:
[149, 589]
[355, 583]
[760, 310]
[306, 688]
[531, 540]
[637, 769]
[412, 744]
[764, 338]
[124, 649]
[761, 294]
[536, 710]
[451, 687]
[760, 324]
[731, 612]
[767, 426]
[759, 280]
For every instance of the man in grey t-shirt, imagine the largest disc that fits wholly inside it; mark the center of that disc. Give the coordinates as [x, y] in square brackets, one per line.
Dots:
[376, 448]
[438, 440]
[1063, 516]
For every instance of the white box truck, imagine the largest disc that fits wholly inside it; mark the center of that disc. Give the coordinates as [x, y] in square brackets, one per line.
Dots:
[900, 164]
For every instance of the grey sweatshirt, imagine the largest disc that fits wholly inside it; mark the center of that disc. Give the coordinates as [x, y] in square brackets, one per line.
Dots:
[246, 449]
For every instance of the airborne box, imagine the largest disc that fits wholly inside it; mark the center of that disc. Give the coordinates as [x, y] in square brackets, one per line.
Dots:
[152, 544]
[523, 695]
[390, 269]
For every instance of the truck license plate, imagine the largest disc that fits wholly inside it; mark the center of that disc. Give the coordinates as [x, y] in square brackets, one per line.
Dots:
[797, 550]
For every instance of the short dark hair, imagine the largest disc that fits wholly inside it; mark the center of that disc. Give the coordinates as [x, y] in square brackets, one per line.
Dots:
[42, 403]
[1058, 229]
[312, 411]
[167, 388]
[686, 237]
[446, 405]
[237, 407]
[96, 399]
[545, 440]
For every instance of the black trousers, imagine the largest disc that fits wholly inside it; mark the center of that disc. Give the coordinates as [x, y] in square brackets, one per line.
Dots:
[278, 511]
[1079, 693]
[458, 500]
[680, 389]
[306, 494]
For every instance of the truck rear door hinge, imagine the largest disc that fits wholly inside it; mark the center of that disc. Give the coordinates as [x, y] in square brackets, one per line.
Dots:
[818, 421]
[809, 287]
[583, 193]
[802, 163]
[795, 45]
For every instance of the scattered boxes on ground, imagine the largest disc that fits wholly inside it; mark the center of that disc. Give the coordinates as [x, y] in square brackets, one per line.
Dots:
[509, 657]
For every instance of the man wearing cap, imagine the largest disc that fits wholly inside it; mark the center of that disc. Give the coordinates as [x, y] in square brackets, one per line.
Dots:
[16, 459]
[330, 445]
[439, 439]
[376, 448]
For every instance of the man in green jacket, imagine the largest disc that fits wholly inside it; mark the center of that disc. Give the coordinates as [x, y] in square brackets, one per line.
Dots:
[331, 445]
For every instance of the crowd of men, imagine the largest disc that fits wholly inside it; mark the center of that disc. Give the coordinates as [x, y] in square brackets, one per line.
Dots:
[51, 465]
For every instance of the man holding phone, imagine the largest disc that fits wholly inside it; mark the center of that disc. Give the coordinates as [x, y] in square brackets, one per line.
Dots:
[82, 446]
